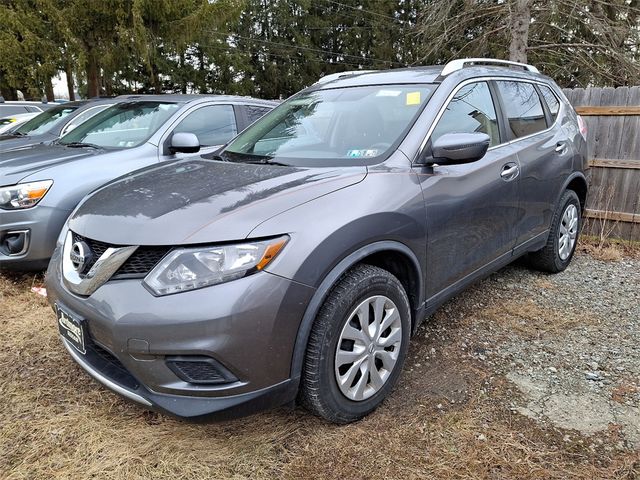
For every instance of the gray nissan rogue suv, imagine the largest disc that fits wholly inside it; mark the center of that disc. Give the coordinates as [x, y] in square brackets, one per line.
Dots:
[296, 262]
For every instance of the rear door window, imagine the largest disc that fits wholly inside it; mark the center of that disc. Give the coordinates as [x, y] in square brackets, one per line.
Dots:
[255, 112]
[552, 101]
[522, 107]
[213, 124]
[471, 110]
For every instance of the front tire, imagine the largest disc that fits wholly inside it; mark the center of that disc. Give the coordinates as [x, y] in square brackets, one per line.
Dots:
[357, 347]
[563, 237]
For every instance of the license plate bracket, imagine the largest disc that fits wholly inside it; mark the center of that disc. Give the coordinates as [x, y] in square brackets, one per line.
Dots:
[71, 328]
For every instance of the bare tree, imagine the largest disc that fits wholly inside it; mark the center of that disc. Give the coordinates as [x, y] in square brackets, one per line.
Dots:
[519, 20]
[578, 42]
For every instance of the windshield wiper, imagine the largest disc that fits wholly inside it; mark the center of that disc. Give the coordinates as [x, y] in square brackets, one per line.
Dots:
[81, 144]
[266, 162]
[214, 156]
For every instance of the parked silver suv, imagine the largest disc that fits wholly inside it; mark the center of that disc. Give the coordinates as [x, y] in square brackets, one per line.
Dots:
[40, 185]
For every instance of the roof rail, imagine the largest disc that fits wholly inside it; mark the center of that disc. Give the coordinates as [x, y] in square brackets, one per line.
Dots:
[459, 64]
[336, 76]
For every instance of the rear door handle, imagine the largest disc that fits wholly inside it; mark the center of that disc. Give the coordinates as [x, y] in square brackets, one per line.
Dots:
[509, 171]
[561, 147]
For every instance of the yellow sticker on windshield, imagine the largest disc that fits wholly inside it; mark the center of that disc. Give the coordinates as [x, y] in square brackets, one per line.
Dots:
[413, 98]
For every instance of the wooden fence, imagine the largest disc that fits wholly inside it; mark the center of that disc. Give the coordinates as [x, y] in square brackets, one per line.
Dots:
[612, 116]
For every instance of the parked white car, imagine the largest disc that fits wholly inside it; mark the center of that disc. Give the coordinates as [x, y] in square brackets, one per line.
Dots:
[10, 122]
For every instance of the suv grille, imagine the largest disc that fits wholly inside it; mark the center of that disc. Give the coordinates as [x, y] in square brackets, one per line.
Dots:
[137, 265]
[141, 262]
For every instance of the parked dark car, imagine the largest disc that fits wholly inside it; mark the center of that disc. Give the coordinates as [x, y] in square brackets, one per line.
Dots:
[53, 123]
[297, 262]
[40, 185]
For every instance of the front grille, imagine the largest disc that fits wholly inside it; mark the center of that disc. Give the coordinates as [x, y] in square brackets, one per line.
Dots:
[199, 370]
[97, 248]
[137, 265]
[142, 261]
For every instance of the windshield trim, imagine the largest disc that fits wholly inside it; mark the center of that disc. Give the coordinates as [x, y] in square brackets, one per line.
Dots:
[226, 154]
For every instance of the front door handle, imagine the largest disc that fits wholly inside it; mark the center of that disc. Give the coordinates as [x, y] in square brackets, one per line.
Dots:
[561, 147]
[509, 171]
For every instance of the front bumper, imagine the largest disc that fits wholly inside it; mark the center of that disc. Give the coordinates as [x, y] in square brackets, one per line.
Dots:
[42, 225]
[249, 326]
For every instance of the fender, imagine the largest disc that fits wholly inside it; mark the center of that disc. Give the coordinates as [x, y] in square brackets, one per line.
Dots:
[541, 240]
[330, 279]
[569, 179]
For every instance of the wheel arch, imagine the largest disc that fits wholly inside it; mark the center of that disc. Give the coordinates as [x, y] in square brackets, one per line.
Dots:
[393, 256]
[578, 183]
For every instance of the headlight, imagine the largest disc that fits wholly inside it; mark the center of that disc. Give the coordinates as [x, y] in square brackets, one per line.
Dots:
[190, 268]
[23, 195]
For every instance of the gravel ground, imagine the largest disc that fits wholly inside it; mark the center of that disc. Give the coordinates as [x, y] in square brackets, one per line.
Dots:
[523, 376]
[569, 345]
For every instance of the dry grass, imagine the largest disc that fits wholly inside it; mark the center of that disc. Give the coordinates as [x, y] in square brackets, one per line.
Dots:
[624, 391]
[56, 423]
[610, 249]
[609, 253]
[528, 319]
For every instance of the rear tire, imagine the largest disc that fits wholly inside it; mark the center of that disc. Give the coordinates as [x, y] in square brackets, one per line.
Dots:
[357, 347]
[563, 237]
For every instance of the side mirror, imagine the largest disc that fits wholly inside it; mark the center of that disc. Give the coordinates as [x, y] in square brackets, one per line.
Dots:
[184, 142]
[456, 148]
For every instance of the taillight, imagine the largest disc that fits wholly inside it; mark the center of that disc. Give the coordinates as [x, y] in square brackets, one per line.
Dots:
[582, 126]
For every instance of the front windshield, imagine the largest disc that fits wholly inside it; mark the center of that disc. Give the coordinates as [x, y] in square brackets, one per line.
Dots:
[343, 125]
[124, 125]
[45, 121]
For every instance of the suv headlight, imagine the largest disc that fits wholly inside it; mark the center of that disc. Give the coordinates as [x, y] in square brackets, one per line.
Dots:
[23, 195]
[186, 269]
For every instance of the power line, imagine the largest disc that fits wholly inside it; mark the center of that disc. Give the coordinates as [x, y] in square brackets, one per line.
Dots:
[354, 17]
[359, 9]
[310, 49]
[313, 60]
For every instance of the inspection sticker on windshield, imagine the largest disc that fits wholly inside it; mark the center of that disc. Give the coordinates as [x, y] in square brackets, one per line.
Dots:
[388, 93]
[413, 98]
[362, 153]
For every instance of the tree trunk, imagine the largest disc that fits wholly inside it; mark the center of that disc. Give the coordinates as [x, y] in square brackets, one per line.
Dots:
[519, 26]
[93, 81]
[68, 70]
[29, 94]
[156, 83]
[48, 90]
[183, 87]
[108, 84]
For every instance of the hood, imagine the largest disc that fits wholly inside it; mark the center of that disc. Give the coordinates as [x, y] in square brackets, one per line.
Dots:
[9, 141]
[20, 162]
[197, 200]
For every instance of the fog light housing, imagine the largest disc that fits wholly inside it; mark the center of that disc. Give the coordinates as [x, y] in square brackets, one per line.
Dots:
[14, 243]
[200, 370]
